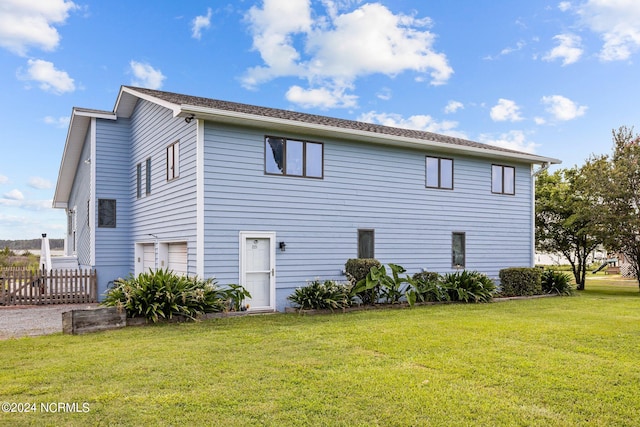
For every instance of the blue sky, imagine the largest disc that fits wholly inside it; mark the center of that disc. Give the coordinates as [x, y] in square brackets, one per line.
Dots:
[549, 77]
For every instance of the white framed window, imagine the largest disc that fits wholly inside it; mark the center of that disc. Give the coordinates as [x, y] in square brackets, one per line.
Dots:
[173, 161]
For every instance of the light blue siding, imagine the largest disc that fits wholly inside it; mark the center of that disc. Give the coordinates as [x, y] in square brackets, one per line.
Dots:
[364, 186]
[78, 202]
[168, 214]
[113, 251]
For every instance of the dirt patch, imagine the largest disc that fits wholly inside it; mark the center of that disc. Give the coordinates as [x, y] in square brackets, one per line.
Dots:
[22, 321]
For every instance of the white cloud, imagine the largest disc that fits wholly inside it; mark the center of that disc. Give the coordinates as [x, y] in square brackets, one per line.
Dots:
[568, 49]
[618, 24]
[144, 75]
[539, 120]
[4, 179]
[563, 108]
[320, 98]
[30, 205]
[506, 51]
[505, 110]
[416, 122]
[49, 78]
[60, 122]
[199, 23]
[332, 51]
[453, 106]
[512, 140]
[32, 23]
[385, 94]
[564, 6]
[14, 194]
[39, 183]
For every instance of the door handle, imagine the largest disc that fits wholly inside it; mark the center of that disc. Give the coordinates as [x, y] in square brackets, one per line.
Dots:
[273, 272]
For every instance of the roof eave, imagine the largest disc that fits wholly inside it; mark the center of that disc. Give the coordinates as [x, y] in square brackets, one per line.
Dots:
[78, 127]
[254, 120]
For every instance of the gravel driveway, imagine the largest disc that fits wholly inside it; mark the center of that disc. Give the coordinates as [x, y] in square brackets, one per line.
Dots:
[21, 321]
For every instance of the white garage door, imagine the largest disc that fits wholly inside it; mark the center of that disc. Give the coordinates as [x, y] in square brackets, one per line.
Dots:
[148, 257]
[178, 257]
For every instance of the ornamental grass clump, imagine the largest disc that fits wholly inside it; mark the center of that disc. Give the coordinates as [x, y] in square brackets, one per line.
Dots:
[163, 294]
[469, 286]
[556, 282]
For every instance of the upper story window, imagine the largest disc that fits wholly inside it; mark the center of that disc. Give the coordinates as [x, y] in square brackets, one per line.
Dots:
[503, 179]
[148, 177]
[292, 157]
[439, 173]
[139, 180]
[173, 161]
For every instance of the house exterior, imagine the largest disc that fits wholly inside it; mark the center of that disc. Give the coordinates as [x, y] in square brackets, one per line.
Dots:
[271, 198]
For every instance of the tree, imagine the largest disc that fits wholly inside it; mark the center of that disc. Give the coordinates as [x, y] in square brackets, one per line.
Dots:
[566, 218]
[619, 192]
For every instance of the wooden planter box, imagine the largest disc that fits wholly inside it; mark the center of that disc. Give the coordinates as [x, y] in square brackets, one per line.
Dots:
[92, 320]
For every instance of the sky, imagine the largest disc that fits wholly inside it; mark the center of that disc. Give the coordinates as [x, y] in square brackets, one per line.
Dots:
[552, 78]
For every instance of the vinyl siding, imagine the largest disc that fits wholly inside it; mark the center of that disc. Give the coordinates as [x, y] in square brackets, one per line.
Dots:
[78, 198]
[169, 212]
[364, 186]
[113, 252]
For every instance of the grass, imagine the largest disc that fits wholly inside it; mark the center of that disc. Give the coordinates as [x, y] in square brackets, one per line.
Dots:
[553, 361]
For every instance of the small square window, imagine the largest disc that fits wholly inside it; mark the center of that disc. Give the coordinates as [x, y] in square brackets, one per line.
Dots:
[107, 213]
[366, 243]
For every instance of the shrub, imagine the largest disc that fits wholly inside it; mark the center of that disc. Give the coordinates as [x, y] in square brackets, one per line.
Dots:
[556, 282]
[520, 281]
[357, 270]
[321, 296]
[378, 284]
[427, 286]
[469, 286]
[163, 294]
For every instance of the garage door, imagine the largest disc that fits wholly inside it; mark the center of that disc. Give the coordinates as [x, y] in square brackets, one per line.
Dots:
[178, 257]
[148, 257]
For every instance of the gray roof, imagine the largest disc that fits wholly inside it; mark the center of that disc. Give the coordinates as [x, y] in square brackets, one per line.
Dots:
[180, 99]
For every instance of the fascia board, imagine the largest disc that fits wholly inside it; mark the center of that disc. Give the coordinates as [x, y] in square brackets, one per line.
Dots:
[124, 109]
[252, 120]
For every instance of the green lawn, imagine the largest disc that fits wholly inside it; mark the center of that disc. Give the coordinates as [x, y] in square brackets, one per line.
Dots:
[551, 361]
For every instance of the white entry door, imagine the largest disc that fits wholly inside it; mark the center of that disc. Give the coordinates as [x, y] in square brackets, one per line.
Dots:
[257, 268]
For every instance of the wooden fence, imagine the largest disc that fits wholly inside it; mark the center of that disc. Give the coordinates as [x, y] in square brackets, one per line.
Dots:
[21, 286]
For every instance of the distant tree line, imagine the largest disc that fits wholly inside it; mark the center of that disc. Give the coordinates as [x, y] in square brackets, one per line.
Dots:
[21, 245]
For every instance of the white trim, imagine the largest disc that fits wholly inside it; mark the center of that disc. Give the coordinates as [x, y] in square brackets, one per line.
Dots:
[200, 209]
[271, 235]
[92, 193]
[238, 118]
[129, 91]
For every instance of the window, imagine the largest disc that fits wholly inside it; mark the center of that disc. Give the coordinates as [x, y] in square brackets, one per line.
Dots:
[439, 173]
[139, 180]
[503, 179]
[173, 161]
[148, 177]
[366, 244]
[458, 250]
[294, 158]
[107, 213]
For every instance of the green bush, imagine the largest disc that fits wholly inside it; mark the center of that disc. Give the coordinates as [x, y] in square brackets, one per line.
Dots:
[321, 296]
[469, 286]
[163, 294]
[427, 286]
[556, 282]
[378, 284]
[520, 281]
[357, 270]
